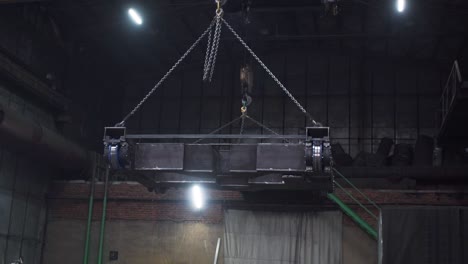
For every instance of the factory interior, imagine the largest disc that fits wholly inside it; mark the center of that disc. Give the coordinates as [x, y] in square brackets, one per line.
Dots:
[234, 131]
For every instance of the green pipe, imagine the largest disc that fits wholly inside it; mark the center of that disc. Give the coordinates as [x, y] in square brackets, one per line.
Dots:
[363, 224]
[103, 218]
[90, 217]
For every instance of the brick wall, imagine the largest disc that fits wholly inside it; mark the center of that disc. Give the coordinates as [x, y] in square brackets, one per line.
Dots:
[132, 201]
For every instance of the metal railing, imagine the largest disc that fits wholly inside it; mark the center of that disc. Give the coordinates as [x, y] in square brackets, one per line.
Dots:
[449, 94]
[351, 213]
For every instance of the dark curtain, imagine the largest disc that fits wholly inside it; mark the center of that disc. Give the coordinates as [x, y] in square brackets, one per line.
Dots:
[253, 237]
[426, 235]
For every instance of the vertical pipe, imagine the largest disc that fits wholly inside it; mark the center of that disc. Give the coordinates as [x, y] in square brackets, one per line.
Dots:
[217, 251]
[103, 219]
[28, 196]
[90, 215]
[10, 217]
[363, 224]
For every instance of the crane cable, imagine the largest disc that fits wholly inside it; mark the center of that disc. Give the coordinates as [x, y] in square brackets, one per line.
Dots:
[210, 60]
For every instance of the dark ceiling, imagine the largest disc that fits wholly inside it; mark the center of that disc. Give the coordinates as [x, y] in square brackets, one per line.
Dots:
[432, 30]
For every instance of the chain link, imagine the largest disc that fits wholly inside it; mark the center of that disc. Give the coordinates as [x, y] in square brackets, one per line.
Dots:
[270, 73]
[265, 127]
[216, 39]
[122, 123]
[241, 130]
[212, 48]
[207, 57]
[210, 63]
[219, 129]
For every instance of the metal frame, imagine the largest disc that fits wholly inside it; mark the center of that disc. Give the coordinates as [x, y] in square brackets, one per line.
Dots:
[212, 136]
[158, 160]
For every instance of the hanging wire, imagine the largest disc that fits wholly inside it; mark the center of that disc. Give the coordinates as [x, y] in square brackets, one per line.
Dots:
[265, 127]
[219, 129]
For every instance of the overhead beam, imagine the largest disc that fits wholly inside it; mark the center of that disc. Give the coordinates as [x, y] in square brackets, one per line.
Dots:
[363, 36]
[20, 1]
[213, 136]
[32, 84]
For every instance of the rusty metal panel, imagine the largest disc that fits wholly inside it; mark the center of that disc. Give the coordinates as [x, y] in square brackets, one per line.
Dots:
[162, 156]
[280, 157]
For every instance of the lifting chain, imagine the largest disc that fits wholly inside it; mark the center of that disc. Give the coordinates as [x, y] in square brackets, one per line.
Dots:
[213, 45]
[265, 127]
[135, 109]
[315, 123]
[207, 57]
[243, 116]
[216, 39]
[210, 60]
[241, 131]
[219, 129]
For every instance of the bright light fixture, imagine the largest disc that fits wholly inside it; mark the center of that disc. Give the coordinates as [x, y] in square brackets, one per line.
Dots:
[401, 5]
[135, 16]
[197, 197]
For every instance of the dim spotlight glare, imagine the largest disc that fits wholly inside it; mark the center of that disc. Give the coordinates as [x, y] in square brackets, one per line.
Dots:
[198, 200]
[135, 16]
[401, 4]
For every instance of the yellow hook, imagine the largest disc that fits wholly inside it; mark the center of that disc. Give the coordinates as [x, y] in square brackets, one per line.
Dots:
[243, 109]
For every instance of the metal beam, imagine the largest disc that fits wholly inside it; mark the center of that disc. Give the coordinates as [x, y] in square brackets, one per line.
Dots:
[212, 136]
[21, 1]
[352, 36]
[22, 135]
[13, 70]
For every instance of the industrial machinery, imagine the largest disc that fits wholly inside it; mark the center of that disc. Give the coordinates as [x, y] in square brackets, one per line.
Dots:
[289, 162]
[304, 164]
[242, 162]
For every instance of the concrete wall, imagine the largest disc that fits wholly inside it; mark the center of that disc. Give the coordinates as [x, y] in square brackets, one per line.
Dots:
[358, 247]
[164, 242]
[27, 36]
[149, 227]
[34, 40]
[136, 241]
[23, 185]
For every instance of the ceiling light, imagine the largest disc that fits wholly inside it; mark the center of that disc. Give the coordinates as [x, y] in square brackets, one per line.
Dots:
[135, 16]
[400, 5]
[197, 197]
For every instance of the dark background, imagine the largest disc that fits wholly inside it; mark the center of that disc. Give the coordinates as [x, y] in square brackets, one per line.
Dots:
[368, 73]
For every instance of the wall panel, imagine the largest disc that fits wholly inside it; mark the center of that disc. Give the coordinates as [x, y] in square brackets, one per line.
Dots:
[23, 184]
